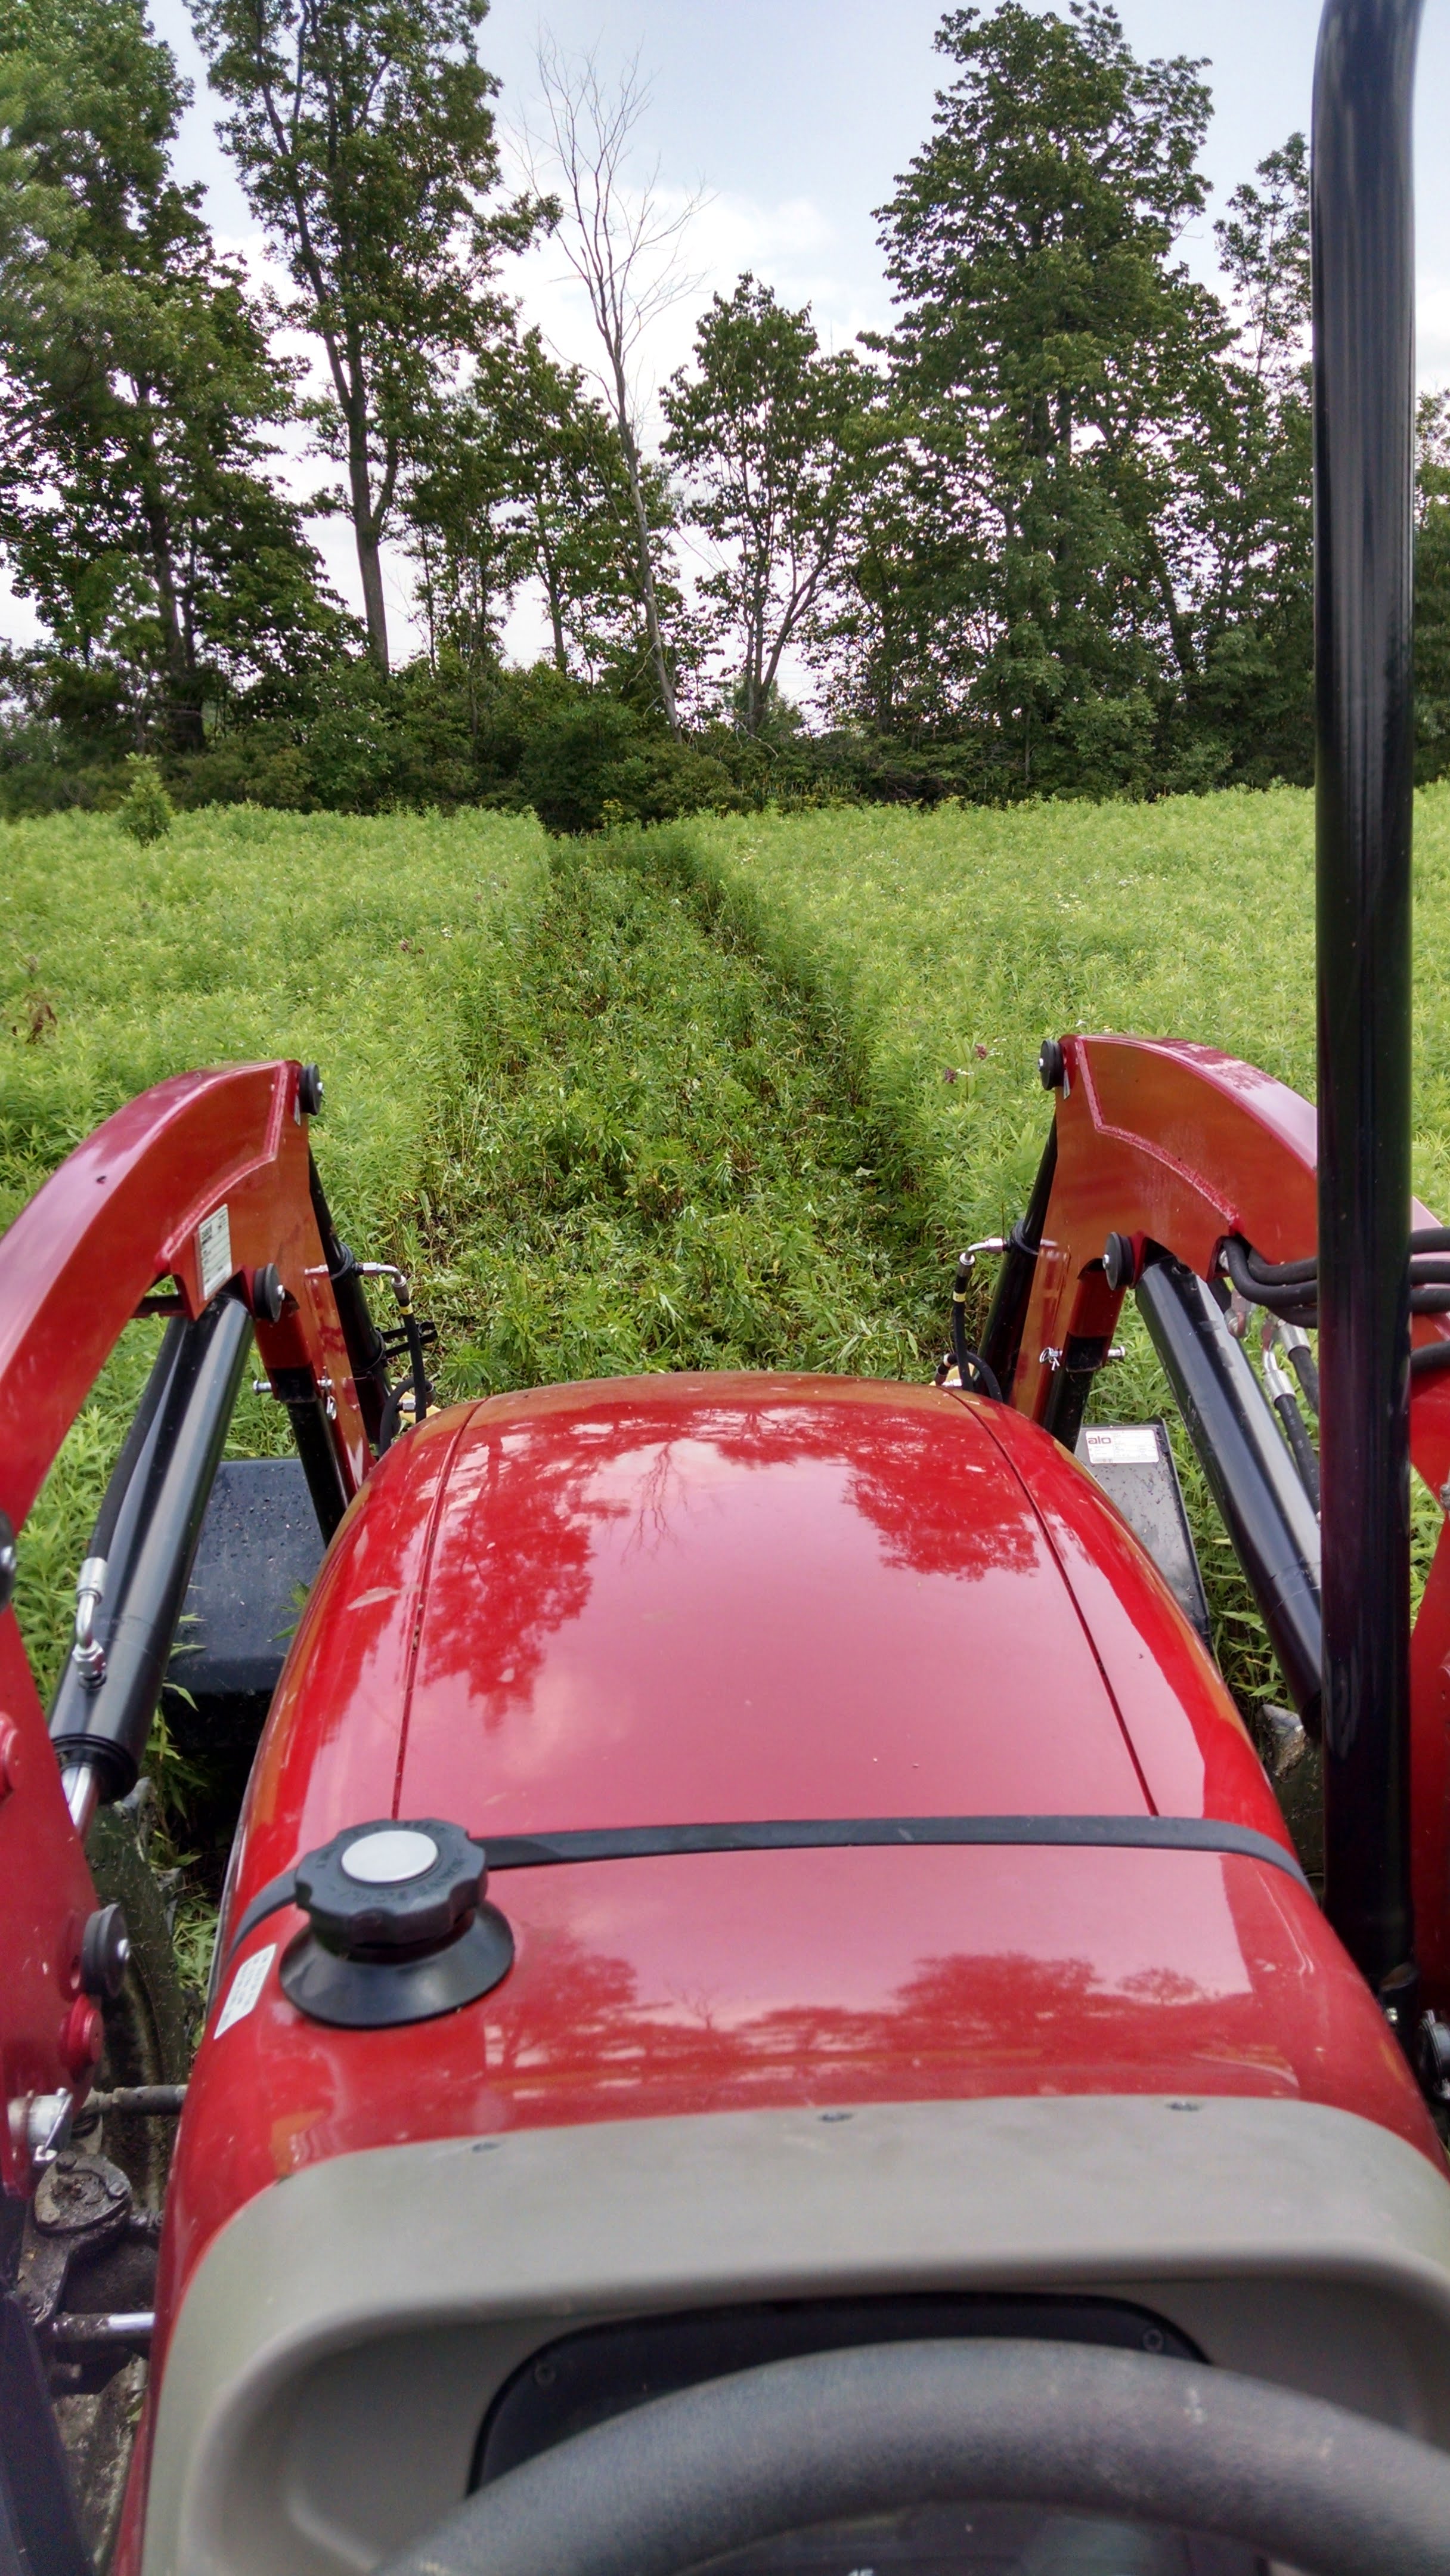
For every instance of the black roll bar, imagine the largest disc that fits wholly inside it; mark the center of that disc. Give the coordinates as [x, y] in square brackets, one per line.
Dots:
[1363, 268]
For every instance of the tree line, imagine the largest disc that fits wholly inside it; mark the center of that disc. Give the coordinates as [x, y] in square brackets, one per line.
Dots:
[1050, 534]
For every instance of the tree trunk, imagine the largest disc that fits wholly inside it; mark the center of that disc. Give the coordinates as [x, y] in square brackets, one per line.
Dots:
[645, 558]
[183, 712]
[370, 566]
[369, 558]
[552, 593]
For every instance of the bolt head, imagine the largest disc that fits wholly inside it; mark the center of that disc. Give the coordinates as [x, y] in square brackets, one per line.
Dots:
[1118, 1262]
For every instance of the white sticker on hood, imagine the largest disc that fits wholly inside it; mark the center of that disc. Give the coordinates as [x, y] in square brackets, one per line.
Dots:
[246, 1988]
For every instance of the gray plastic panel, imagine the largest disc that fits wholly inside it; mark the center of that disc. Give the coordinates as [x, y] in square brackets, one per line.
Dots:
[345, 2334]
[1133, 1463]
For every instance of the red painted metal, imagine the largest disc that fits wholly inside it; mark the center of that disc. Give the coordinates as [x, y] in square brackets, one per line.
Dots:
[122, 1215]
[45, 1897]
[118, 1218]
[1181, 1146]
[685, 1600]
[712, 1598]
[749, 1980]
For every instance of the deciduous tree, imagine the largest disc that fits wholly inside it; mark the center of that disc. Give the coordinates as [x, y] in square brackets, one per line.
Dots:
[1236, 559]
[770, 437]
[523, 480]
[138, 384]
[1049, 349]
[623, 241]
[364, 133]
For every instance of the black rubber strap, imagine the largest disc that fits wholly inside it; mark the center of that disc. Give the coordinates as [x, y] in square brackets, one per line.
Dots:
[846, 1833]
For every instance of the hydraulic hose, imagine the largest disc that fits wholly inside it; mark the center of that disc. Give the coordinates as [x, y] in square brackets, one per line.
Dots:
[840, 2435]
[366, 1355]
[974, 1373]
[1301, 1446]
[1002, 1340]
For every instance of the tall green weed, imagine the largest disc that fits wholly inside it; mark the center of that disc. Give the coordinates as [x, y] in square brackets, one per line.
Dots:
[242, 935]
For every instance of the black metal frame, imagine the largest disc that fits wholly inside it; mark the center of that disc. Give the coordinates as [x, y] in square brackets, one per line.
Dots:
[147, 1533]
[1252, 1476]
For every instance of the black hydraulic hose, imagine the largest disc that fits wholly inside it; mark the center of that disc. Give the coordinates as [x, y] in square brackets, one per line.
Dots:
[1245, 1274]
[1253, 1479]
[1362, 217]
[1278, 1274]
[1306, 1368]
[973, 1372]
[1002, 1340]
[366, 1355]
[1300, 1444]
[421, 1389]
[1069, 2428]
[155, 1525]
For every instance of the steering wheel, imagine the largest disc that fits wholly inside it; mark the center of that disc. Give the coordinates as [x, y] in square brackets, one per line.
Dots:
[1168, 2444]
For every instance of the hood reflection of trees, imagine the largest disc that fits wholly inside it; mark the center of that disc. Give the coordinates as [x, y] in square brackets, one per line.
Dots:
[1035, 2023]
[533, 1503]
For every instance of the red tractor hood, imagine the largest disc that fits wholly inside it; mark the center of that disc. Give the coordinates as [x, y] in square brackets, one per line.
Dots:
[688, 1601]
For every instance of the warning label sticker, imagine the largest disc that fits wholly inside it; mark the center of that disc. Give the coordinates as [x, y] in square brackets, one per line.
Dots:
[214, 1251]
[246, 1988]
[1118, 1444]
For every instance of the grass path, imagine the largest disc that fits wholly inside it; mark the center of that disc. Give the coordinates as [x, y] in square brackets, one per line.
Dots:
[659, 1160]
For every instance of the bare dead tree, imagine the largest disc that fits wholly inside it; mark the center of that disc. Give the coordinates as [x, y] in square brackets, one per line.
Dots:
[623, 242]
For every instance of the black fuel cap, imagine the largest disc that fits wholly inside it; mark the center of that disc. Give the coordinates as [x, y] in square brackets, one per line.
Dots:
[389, 1886]
[398, 1929]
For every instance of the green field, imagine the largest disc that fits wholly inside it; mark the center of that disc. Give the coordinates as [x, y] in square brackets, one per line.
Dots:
[725, 1094]
[961, 938]
[244, 935]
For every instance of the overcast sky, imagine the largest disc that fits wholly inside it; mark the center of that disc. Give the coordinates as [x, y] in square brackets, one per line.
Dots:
[796, 115]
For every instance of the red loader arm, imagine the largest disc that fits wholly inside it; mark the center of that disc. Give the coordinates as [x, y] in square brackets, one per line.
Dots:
[1179, 1147]
[194, 1188]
